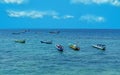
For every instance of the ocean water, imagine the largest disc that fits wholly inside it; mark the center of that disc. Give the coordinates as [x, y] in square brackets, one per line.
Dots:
[34, 58]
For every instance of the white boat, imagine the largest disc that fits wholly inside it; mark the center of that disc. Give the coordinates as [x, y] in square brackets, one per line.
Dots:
[99, 46]
[59, 47]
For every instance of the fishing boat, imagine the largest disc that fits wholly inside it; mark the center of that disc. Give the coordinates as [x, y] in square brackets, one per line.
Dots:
[74, 47]
[46, 42]
[54, 32]
[59, 47]
[16, 33]
[99, 46]
[20, 41]
[20, 32]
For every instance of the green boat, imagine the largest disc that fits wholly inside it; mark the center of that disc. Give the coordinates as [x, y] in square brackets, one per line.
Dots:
[20, 41]
[46, 42]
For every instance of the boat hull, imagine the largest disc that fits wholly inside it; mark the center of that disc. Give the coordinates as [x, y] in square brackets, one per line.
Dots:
[46, 42]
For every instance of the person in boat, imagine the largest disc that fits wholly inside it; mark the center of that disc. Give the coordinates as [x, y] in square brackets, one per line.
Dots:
[100, 45]
[59, 46]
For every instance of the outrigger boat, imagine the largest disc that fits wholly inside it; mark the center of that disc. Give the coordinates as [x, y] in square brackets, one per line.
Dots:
[99, 46]
[74, 47]
[20, 41]
[46, 42]
[59, 47]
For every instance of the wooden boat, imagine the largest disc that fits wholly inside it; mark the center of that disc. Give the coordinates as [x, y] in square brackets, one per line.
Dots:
[20, 41]
[59, 47]
[46, 42]
[74, 47]
[99, 46]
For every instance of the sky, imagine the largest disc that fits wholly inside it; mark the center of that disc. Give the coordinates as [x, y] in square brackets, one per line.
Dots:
[63, 14]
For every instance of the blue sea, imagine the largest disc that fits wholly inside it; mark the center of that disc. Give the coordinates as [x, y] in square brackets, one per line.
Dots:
[35, 58]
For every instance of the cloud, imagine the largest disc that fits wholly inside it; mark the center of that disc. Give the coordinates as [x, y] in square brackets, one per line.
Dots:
[37, 14]
[112, 2]
[53, 14]
[13, 1]
[68, 17]
[31, 14]
[56, 17]
[92, 18]
[63, 17]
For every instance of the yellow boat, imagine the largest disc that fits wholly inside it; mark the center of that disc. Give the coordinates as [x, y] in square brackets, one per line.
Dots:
[74, 47]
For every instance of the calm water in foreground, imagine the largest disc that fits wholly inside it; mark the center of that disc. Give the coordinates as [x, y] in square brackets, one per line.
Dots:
[34, 58]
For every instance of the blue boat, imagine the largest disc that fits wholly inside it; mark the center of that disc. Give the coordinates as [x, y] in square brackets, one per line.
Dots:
[54, 32]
